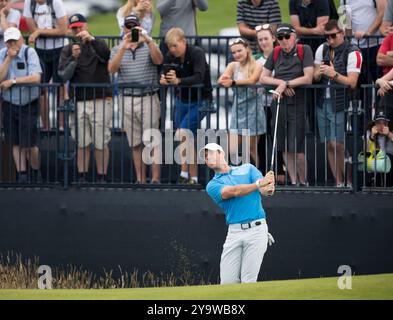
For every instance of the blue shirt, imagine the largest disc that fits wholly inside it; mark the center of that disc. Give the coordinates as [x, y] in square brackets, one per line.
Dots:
[20, 95]
[238, 209]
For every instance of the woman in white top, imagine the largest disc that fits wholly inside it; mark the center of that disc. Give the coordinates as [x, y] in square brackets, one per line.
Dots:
[142, 9]
[247, 108]
[9, 17]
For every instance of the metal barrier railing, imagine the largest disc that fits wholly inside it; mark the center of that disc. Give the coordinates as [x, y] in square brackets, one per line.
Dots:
[127, 135]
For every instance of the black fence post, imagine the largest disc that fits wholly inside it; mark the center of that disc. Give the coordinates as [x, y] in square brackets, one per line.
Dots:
[355, 130]
[66, 156]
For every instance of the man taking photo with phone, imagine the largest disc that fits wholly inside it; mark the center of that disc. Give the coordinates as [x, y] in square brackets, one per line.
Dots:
[135, 60]
[85, 60]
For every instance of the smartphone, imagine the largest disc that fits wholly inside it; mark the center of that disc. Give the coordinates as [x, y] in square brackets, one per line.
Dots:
[134, 35]
[166, 67]
[326, 61]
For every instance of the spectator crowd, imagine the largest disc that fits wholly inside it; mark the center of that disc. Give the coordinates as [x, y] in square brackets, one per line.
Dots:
[270, 67]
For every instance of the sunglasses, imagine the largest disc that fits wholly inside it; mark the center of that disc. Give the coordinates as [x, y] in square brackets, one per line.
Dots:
[332, 35]
[237, 41]
[129, 26]
[265, 26]
[281, 37]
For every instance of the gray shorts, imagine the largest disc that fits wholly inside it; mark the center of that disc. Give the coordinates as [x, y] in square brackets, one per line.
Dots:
[331, 124]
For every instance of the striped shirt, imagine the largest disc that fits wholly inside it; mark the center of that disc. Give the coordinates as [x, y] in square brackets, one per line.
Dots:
[267, 12]
[136, 69]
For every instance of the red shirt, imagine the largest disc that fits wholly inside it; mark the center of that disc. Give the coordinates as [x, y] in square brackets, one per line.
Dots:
[387, 45]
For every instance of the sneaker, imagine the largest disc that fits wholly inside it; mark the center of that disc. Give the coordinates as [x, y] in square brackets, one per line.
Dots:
[183, 180]
[155, 182]
[191, 181]
[36, 176]
[22, 178]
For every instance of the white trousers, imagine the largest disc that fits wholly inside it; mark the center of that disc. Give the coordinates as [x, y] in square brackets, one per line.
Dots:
[243, 252]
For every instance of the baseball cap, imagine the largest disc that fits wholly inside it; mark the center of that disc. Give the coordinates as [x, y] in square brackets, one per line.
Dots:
[12, 33]
[76, 20]
[131, 20]
[285, 28]
[211, 147]
[380, 115]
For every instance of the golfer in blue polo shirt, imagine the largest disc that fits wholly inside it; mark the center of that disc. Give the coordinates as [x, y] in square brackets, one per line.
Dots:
[238, 190]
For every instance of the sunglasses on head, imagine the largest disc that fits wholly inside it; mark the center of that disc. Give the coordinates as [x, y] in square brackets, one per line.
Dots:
[237, 41]
[265, 26]
[332, 35]
[281, 37]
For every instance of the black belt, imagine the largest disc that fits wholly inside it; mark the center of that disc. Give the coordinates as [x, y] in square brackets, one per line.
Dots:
[141, 95]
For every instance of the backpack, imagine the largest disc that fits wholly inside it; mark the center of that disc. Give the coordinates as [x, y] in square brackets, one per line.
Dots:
[299, 51]
[49, 3]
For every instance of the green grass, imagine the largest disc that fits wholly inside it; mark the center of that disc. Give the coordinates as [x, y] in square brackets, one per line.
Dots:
[220, 14]
[363, 287]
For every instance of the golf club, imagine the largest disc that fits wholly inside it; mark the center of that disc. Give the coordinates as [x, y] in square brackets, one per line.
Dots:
[275, 129]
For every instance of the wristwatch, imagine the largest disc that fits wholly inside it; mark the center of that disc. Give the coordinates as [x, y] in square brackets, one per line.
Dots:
[233, 83]
[14, 81]
[335, 76]
[287, 84]
[258, 183]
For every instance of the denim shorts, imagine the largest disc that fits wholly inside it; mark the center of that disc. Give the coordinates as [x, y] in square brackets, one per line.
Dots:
[331, 124]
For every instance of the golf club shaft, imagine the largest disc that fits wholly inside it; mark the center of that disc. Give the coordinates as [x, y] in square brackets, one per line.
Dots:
[275, 135]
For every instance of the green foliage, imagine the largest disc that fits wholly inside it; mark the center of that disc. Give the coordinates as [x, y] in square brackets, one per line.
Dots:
[221, 14]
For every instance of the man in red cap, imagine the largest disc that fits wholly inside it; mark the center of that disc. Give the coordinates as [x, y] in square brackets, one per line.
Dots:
[85, 60]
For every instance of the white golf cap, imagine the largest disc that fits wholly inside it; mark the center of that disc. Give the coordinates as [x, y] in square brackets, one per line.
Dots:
[212, 147]
[12, 33]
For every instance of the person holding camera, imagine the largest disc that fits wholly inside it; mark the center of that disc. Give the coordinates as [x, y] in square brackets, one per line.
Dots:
[135, 60]
[191, 69]
[85, 60]
[336, 62]
[20, 64]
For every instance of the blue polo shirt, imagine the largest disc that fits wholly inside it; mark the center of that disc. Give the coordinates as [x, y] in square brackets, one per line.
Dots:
[238, 209]
[20, 68]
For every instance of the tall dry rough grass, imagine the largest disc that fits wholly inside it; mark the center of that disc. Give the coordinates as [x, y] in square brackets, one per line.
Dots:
[19, 273]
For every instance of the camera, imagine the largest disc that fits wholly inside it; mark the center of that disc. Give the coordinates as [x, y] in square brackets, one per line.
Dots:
[134, 35]
[166, 67]
[76, 41]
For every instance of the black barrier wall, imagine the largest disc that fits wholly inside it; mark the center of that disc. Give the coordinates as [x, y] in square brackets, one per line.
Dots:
[167, 231]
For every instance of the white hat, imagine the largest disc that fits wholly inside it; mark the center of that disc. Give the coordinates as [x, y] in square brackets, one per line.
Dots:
[212, 147]
[12, 33]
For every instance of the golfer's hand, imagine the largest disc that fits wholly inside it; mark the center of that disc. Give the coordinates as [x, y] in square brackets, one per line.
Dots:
[270, 239]
[270, 177]
[268, 190]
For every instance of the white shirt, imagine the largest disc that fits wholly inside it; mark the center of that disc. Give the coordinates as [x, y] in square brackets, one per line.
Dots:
[363, 14]
[146, 23]
[355, 61]
[43, 19]
[13, 17]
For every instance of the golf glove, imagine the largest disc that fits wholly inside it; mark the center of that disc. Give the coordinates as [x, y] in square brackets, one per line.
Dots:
[270, 239]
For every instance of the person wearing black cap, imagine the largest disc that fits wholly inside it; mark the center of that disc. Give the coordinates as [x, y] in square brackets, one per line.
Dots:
[85, 60]
[292, 64]
[136, 61]
[380, 137]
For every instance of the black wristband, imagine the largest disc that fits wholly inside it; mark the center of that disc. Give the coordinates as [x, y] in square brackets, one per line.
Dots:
[233, 83]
